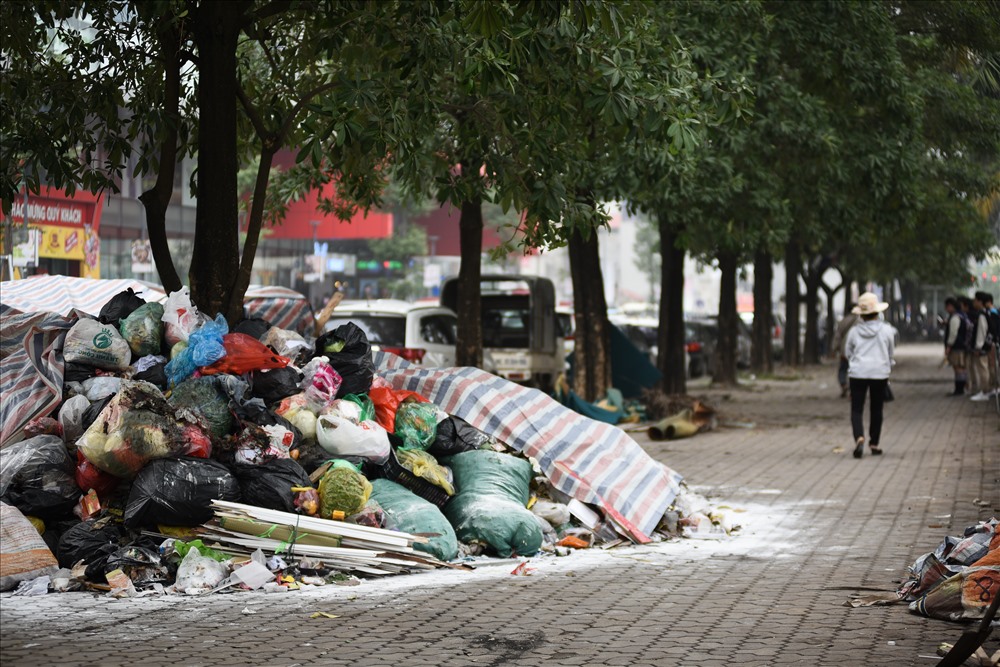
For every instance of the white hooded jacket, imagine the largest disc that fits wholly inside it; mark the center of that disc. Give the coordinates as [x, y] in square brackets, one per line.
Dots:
[869, 350]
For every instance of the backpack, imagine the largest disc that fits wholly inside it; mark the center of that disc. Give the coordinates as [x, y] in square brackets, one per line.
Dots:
[992, 327]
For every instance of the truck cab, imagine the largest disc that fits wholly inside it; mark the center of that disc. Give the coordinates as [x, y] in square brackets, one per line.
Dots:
[521, 332]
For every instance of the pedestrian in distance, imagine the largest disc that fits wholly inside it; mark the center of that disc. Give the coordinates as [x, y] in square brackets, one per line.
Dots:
[979, 352]
[993, 318]
[839, 339]
[955, 348]
[869, 348]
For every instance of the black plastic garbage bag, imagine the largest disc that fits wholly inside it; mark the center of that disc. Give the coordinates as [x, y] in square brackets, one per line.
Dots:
[77, 372]
[54, 531]
[178, 492]
[91, 414]
[91, 542]
[273, 385]
[37, 476]
[155, 375]
[119, 307]
[253, 326]
[269, 484]
[454, 436]
[350, 354]
[141, 565]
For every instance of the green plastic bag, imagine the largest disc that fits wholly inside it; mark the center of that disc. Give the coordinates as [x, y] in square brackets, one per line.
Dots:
[408, 512]
[182, 549]
[366, 405]
[205, 396]
[143, 329]
[489, 507]
[416, 424]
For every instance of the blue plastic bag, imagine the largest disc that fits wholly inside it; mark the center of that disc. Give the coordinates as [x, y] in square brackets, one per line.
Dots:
[204, 349]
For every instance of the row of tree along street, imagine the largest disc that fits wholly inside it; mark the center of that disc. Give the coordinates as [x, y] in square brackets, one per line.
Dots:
[859, 136]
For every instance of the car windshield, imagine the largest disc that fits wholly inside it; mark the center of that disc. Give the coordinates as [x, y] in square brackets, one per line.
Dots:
[506, 328]
[380, 329]
[439, 329]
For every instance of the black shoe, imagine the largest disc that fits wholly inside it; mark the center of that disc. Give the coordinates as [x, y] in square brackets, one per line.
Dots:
[859, 450]
[876, 450]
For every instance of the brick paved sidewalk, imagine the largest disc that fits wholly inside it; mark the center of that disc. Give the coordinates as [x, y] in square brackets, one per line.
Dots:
[820, 526]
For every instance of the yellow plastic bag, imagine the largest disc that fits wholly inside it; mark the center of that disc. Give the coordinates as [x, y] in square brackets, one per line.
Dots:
[424, 465]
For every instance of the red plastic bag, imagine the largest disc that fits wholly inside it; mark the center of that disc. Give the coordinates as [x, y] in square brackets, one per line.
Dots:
[89, 476]
[244, 354]
[387, 402]
[196, 442]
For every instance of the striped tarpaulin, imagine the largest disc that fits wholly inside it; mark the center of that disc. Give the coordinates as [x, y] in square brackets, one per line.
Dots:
[31, 368]
[63, 294]
[591, 461]
[282, 307]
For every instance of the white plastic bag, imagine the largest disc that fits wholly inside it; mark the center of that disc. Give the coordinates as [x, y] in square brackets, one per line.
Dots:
[99, 388]
[286, 343]
[199, 574]
[97, 345]
[556, 514]
[294, 408]
[71, 417]
[180, 317]
[344, 437]
[344, 409]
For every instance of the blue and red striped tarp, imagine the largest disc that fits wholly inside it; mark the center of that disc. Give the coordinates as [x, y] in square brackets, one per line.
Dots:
[31, 368]
[591, 461]
[282, 307]
[62, 295]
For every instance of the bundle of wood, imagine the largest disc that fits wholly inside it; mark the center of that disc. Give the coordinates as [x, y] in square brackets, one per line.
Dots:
[340, 545]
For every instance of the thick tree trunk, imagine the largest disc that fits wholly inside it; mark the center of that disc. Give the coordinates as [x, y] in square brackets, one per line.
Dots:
[726, 350]
[762, 349]
[156, 199]
[671, 337]
[793, 264]
[592, 351]
[215, 257]
[469, 351]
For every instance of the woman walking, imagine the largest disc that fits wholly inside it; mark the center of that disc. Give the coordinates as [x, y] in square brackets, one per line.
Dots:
[869, 350]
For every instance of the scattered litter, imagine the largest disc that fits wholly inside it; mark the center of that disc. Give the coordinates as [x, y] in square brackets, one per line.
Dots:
[322, 614]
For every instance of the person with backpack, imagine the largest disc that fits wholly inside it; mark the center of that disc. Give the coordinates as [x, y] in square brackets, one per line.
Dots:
[979, 352]
[869, 349]
[955, 350]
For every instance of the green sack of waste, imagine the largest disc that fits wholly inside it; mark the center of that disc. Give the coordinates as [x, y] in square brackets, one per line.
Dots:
[343, 489]
[408, 512]
[489, 507]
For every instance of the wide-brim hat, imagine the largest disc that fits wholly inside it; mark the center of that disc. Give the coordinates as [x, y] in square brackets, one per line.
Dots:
[868, 304]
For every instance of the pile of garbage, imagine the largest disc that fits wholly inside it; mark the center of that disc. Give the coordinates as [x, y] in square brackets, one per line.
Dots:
[958, 580]
[185, 457]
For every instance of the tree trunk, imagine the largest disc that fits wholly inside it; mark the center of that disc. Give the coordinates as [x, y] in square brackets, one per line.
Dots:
[156, 199]
[469, 350]
[793, 264]
[215, 257]
[726, 350]
[234, 305]
[592, 352]
[813, 278]
[671, 336]
[810, 354]
[762, 351]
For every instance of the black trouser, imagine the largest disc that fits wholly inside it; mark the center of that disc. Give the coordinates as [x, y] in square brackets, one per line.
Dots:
[860, 387]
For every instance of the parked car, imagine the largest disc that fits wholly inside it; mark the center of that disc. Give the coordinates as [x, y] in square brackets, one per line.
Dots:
[417, 332]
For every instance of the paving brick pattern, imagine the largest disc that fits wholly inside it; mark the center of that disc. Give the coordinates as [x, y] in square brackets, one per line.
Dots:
[821, 527]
